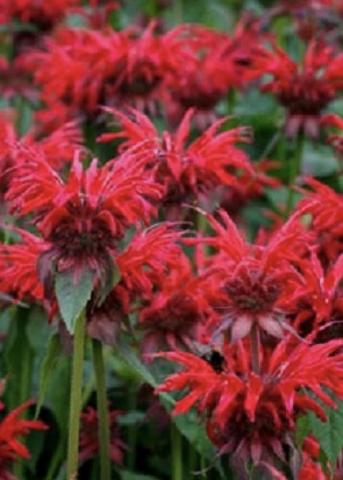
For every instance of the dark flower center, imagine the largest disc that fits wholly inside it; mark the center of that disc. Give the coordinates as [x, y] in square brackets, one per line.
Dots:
[307, 95]
[252, 295]
[142, 81]
[82, 238]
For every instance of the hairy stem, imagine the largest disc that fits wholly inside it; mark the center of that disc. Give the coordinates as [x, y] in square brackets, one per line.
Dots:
[176, 450]
[102, 408]
[76, 397]
[132, 430]
[294, 169]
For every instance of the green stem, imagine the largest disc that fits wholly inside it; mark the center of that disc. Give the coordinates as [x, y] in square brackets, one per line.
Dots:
[76, 397]
[24, 371]
[203, 467]
[293, 172]
[55, 463]
[102, 408]
[176, 450]
[132, 430]
[192, 459]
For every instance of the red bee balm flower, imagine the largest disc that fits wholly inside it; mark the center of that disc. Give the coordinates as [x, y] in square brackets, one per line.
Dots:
[177, 310]
[147, 260]
[12, 427]
[106, 67]
[306, 90]
[84, 217]
[326, 208]
[256, 284]
[89, 443]
[252, 415]
[186, 170]
[18, 263]
[43, 14]
[335, 139]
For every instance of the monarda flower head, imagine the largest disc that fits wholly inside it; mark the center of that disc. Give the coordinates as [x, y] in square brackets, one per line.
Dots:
[143, 264]
[257, 285]
[305, 90]
[103, 68]
[251, 416]
[39, 12]
[325, 207]
[186, 171]
[215, 63]
[89, 441]
[174, 315]
[335, 139]
[313, 18]
[11, 429]
[84, 217]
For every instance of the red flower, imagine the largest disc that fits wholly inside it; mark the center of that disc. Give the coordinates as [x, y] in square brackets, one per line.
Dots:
[305, 90]
[213, 62]
[143, 265]
[89, 443]
[98, 12]
[84, 217]
[252, 415]
[336, 140]
[321, 289]
[18, 263]
[176, 312]
[249, 187]
[256, 284]
[59, 146]
[12, 427]
[14, 80]
[103, 67]
[187, 171]
[326, 208]
[311, 16]
[43, 14]
[310, 467]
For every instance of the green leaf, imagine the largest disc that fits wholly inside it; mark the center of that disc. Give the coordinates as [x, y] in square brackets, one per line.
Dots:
[18, 358]
[330, 433]
[319, 160]
[111, 276]
[72, 298]
[303, 429]
[131, 418]
[188, 424]
[127, 475]
[48, 366]
[128, 354]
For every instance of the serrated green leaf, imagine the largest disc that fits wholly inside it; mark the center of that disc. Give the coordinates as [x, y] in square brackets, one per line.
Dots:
[71, 297]
[330, 433]
[48, 366]
[188, 424]
[303, 429]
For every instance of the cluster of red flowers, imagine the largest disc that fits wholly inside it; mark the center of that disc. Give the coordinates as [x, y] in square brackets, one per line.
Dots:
[254, 320]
